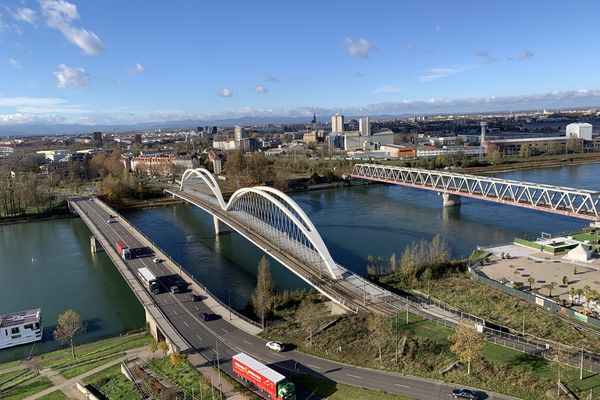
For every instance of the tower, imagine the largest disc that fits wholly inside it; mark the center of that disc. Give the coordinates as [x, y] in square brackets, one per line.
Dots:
[364, 126]
[337, 123]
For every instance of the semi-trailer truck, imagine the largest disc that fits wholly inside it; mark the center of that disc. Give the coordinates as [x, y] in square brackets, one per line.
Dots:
[149, 280]
[123, 250]
[277, 386]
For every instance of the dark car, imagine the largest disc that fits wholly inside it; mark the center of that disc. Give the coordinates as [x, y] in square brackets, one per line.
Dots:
[195, 297]
[204, 316]
[464, 394]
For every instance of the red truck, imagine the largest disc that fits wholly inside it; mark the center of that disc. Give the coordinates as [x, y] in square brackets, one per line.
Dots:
[277, 386]
[123, 250]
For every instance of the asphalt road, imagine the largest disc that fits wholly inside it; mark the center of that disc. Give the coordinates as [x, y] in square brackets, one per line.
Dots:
[218, 340]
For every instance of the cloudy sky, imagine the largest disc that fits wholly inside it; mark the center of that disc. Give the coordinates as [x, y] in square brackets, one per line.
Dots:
[138, 61]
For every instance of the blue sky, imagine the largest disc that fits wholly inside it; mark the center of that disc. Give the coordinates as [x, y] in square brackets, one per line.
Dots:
[138, 61]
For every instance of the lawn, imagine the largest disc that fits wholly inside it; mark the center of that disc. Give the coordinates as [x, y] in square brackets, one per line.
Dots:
[20, 384]
[427, 353]
[474, 297]
[9, 364]
[91, 355]
[113, 384]
[56, 395]
[183, 374]
[326, 389]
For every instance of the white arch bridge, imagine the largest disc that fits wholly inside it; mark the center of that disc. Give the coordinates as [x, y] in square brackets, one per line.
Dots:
[276, 224]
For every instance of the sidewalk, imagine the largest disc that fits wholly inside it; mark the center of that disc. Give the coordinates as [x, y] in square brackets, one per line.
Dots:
[210, 374]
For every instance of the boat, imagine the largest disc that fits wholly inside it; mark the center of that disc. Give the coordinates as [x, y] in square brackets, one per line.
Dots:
[20, 328]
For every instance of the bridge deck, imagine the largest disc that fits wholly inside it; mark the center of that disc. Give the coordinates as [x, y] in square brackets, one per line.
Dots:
[577, 203]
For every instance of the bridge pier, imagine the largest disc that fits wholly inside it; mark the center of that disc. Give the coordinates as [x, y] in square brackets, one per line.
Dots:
[451, 200]
[157, 334]
[95, 245]
[220, 226]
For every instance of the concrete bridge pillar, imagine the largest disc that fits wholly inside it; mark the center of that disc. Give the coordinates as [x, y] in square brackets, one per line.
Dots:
[451, 200]
[154, 331]
[95, 245]
[220, 226]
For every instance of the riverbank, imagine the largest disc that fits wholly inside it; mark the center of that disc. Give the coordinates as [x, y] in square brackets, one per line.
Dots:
[59, 211]
[535, 163]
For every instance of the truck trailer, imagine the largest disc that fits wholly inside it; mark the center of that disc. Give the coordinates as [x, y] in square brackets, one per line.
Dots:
[123, 250]
[149, 280]
[277, 386]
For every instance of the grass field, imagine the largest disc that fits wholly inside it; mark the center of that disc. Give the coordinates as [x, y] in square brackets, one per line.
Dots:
[21, 384]
[91, 355]
[9, 364]
[56, 395]
[427, 352]
[113, 384]
[184, 375]
[479, 299]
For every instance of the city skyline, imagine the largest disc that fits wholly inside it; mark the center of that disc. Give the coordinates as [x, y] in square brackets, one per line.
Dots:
[85, 63]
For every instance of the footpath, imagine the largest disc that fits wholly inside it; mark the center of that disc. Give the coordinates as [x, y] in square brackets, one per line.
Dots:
[69, 386]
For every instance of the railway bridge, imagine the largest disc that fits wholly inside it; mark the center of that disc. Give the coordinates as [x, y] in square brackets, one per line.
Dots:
[577, 203]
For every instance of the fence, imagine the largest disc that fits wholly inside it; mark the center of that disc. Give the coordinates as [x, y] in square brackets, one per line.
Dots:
[537, 300]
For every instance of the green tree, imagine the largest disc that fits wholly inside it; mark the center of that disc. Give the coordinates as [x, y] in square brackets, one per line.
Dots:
[308, 318]
[69, 325]
[467, 343]
[531, 281]
[262, 298]
[551, 286]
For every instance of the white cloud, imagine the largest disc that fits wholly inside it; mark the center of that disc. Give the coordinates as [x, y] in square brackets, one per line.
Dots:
[438, 28]
[25, 14]
[485, 55]
[271, 78]
[59, 14]
[437, 73]
[30, 101]
[3, 25]
[71, 76]
[225, 92]
[386, 89]
[525, 54]
[135, 70]
[261, 89]
[359, 48]
[15, 63]
[61, 111]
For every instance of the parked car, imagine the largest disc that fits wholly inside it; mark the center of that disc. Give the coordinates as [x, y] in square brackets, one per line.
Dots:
[276, 346]
[175, 289]
[464, 394]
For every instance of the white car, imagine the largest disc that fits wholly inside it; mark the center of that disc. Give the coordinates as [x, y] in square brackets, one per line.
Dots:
[275, 346]
[156, 260]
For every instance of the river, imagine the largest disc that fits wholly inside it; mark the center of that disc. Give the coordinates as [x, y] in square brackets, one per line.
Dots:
[354, 222]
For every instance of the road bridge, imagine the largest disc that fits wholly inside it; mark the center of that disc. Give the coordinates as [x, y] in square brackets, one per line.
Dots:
[577, 203]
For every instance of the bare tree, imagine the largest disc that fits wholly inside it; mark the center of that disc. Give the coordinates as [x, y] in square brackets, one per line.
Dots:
[380, 331]
[69, 326]
[307, 317]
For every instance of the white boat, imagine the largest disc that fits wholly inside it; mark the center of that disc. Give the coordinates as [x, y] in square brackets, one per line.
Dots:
[20, 328]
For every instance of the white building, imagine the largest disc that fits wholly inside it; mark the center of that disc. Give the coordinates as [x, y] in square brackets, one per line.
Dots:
[239, 133]
[580, 131]
[337, 123]
[364, 126]
[223, 143]
[446, 150]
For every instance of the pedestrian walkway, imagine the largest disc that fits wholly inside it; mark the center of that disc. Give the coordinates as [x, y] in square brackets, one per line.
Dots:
[68, 386]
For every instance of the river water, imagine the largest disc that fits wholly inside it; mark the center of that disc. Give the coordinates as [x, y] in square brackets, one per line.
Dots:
[354, 222]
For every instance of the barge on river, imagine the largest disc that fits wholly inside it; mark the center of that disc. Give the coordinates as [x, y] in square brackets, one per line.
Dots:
[20, 328]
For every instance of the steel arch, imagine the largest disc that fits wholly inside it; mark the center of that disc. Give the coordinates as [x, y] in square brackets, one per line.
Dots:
[296, 215]
[209, 179]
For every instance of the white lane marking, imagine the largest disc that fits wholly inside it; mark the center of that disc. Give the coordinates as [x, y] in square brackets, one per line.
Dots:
[404, 386]
[197, 309]
[186, 324]
[313, 366]
[247, 342]
[175, 312]
[279, 355]
[226, 331]
[198, 336]
[354, 376]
